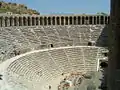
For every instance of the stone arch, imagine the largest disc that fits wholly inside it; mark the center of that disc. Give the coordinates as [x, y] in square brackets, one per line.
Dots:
[79, 20]
[98, 19]
[6, 21]
[53, 20]
[106, 19]
[83, 20]
[29, 21]
[102, 20]
[66, 20]
[20, 21]
[86, 20]
[49, 20]
[11, 21]
[0, 21]
[15, 21]
[95, 19]
[75, 20]
[90, 20]
[45, 20]
[70, 20]
[33, 21]
[58, 20]
[37, 21]
[62, 20]
[24, 21]
[104, 64]
[41, 20]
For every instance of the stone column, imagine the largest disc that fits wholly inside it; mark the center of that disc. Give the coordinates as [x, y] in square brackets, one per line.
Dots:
[6, 21]
[30, 21]
[92, 20]
[39, 21]
[68, 21]
[17, 21]
[26, 21]
[104, 20]
[11, 21]
[35, 21]
[114, 47]
[59, 20]
[3, 21]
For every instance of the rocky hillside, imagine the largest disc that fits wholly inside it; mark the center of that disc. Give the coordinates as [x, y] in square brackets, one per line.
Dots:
[16, 8]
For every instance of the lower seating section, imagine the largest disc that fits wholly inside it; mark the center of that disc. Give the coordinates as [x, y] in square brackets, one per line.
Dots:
[40, 67]
[90, 57]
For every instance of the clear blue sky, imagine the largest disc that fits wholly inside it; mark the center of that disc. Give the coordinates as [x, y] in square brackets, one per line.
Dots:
[66, 6]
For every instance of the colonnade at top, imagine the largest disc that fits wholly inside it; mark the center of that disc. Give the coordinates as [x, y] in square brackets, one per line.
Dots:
[6, 21]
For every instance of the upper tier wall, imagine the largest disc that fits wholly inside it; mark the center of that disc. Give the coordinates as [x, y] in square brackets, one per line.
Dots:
[36, 20]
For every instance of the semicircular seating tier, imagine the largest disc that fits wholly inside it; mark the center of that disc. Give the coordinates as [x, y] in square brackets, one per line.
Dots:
[37, 69]
[18, 40]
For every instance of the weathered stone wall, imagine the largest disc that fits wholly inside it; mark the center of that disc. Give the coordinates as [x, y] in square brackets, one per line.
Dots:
[7, 20]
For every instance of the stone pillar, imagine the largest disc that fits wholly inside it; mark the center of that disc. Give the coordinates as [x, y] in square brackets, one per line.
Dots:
[68, 21]
[6, 21]
[0, 21]
[76, 20]
[17, 21]
[3, 21]
[104, 20]
[39, 21]
[30, 21]
[26, 21]
[59, 20]
[92, 20]
[35, 21]
[114, 47]
[11, 21]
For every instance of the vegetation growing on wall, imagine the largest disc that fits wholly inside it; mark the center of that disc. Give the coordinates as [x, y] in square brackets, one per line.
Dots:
[16, 8]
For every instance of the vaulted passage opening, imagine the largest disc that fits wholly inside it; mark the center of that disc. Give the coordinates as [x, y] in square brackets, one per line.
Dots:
[104, 64]
[89, 43]
[51, 45]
